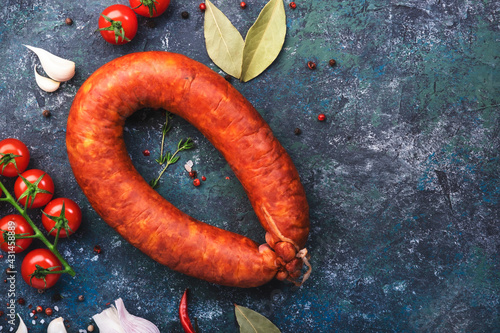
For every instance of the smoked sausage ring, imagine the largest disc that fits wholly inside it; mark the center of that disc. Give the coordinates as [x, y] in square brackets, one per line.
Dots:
[103, 169]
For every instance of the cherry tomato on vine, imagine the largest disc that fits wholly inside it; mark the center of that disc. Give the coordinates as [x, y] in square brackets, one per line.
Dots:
[36, 268]
[14, 157]
[35, 187]
[149, 8]
[17, 224]
[63, 213]
[118, 24]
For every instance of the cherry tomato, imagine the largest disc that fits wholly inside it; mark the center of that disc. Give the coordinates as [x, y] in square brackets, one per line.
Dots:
[39, 191]
[34, 276]
[17, 224]
[149, 8]
[14, 157]
[118, 24]
[69, 221]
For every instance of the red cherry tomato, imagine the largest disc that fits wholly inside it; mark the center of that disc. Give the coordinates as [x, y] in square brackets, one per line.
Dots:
[17, 224]
[149, 8]
[47, 261]
[14, 157]
[69, 221]
[39, 191]
[118, 24]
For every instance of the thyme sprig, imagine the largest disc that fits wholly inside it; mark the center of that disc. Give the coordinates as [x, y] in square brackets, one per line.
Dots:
[165, 129]
[184, 144]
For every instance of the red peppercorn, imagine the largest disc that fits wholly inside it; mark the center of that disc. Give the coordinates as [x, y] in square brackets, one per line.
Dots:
[97, 249]
[21, 301]
[203, 178]
[39, 309]
[48, 311]
[311, 65]
[243, 4]
[192, 174]
[146, 152]
[332, 62]
[321, 117]
[203, 7]
[196, 182]
[293, 5]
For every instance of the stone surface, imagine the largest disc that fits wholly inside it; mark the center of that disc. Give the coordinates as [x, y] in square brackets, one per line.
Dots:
[402, 177]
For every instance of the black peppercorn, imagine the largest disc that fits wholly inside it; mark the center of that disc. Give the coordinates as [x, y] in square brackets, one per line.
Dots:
[81, 298]
[332, 62]
[46, 113]
[185, 15]
[297, 131]
[68, 21]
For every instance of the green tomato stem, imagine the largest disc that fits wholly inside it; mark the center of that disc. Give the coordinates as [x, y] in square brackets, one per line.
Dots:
[38, 234]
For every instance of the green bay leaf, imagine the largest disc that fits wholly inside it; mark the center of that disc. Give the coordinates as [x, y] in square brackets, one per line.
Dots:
[264, 40]
[253, 322]
[223, 41]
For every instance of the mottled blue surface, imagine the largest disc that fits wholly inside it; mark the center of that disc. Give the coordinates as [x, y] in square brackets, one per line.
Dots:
[402, 178]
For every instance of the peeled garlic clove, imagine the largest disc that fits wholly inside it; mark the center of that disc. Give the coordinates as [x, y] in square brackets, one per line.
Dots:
[108, 321]
[57, 326]
[45, 83]
[57, 68]
[22, 327]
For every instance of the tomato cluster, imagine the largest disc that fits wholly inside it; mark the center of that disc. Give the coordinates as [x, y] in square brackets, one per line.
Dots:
[118, 23]
[34, 188]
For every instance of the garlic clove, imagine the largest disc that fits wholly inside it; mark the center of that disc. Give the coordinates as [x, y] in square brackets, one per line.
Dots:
[57, 68]
[22, 326]
[108, 321]
[45, 83]
[57, 326]
[131, 323]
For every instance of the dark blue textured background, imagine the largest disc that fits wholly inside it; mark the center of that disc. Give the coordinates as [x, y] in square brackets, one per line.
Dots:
[402, 178]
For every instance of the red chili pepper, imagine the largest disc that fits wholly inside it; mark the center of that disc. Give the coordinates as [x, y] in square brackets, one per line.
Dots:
[183, 315]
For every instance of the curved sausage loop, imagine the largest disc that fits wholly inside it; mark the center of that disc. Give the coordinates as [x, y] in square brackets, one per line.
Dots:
[103, 169]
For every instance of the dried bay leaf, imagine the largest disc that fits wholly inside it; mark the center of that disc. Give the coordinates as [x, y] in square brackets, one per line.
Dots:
[223, 41]
[264, 40]
[253, 322]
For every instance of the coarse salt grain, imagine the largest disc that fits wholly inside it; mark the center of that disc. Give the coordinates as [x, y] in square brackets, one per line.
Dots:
[56, 308]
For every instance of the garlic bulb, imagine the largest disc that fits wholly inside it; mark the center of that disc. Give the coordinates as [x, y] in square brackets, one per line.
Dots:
[119, 320]
[45, 83]
[57, 326]
[57, 68]
[22, 326]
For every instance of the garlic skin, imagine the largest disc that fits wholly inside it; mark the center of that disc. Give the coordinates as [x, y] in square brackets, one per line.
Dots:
[22, 326]
[57, 68]
[45, 83]
[57, 326]
[119, 320]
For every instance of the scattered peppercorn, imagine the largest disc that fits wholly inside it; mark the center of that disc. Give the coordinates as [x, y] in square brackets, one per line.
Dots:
[39, 309]
[243, 4]
[321, 117]
[90, 328]
[68, 21]
[332, 62]
[297, 131]
[203, 178]
[46, 113]
[146, 152]
[48, 311]
[311, 65]
[1, 256]
[227, 177]
[203, 7]
[81, 298]
[151, 24]
[192, 174]
[293, 5]
[21, 301]
[33, 311]
[97, 249]
[196, 182]
[185, 15]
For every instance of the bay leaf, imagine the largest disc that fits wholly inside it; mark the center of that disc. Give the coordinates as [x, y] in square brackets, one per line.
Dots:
[264, 40]
[253, 322]
[223, 41]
